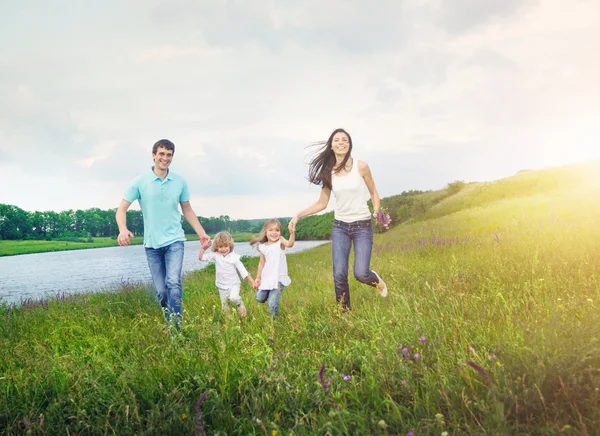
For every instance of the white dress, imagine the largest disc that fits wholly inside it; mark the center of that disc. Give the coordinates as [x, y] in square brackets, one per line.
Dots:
[275, 270]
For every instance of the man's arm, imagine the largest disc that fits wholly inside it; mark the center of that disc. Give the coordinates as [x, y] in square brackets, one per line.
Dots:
[121, 216]
[192, 219]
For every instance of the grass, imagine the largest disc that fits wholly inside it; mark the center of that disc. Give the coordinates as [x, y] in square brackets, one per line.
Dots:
[499, 298]
[12, 248]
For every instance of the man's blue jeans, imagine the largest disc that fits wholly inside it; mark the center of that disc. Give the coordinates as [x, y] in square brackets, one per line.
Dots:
[165, 266]
[343, 235]
[271, 296]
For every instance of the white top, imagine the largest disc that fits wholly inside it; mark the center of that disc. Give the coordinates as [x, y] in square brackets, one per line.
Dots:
[226, 267]
[275, 270]
[350, 197]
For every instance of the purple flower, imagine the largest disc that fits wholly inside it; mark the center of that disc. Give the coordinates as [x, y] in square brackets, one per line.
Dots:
[199, 427]
[422, 339]
[383, 219]
[324, 384]
[410, 433]
[346, 377]
[405, 352]
[403, 382]
[417, 356]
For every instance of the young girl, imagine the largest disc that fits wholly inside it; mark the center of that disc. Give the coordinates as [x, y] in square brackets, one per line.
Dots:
[226, 263]
[272, 275]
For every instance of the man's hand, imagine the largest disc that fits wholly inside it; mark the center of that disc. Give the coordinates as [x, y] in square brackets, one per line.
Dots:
[123, 238]
[205, 241]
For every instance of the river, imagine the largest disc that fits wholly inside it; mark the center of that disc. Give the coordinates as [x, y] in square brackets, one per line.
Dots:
[34, 276]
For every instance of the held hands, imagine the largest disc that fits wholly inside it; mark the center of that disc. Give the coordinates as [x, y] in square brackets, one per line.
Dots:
[205, 241]
[292, 224]
[123, 238]
[256, 283]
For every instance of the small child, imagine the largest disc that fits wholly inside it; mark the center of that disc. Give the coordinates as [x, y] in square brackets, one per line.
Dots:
[226, 263]
[272, 275]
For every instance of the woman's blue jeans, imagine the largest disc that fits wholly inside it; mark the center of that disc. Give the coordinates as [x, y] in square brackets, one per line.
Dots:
[165, 266]
[342, 237]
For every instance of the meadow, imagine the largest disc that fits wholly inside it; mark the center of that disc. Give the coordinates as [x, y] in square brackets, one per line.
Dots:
[12, 248]
[491, 327]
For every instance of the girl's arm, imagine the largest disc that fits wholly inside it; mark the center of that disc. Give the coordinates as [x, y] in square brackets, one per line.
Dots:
[289, 242]
[202, 250]
[244, 272]
[320, 205]
[365, 172]
[261, 265]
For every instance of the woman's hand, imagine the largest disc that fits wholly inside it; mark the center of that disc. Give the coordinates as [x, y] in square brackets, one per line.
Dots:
[292, 224]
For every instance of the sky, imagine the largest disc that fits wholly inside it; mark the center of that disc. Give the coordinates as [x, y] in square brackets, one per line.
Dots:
[431, 91]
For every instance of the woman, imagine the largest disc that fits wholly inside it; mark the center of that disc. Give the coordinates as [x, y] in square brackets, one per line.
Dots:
[335, 170]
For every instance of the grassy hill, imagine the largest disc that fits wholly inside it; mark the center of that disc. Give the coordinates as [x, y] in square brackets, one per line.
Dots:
[491, 326]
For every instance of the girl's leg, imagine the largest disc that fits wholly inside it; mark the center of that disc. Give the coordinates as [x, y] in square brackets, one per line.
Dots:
[224, 295]
[261, 295]
[235, 298]
[340, 250]
[274, 296]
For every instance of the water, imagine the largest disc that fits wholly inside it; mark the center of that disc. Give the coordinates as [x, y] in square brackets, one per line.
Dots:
[46, 274]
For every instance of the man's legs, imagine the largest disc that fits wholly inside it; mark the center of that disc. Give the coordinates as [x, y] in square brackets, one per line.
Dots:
[156, 263]
[173, 266]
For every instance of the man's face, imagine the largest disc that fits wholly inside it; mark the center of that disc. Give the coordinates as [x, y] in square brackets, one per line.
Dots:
[162, 158]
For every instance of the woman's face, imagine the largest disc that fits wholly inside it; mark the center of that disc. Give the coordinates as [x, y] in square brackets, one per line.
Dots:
[340, 143]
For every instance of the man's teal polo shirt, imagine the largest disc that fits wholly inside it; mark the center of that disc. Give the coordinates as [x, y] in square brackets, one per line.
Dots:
[159, 200]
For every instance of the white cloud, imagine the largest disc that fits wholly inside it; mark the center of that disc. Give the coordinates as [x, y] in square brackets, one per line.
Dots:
[431, 93]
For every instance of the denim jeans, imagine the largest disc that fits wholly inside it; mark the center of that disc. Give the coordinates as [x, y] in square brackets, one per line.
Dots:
[271, 296]
[343, 235]
[165, 266]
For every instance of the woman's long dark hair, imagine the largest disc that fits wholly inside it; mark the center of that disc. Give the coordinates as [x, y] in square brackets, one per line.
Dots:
[321, 165]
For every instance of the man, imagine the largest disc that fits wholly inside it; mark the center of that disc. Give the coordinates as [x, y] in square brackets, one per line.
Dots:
[159, 192]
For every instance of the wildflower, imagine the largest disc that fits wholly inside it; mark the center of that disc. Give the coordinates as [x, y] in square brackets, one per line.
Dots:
[483, 372]
[382, 424]
[422, 339]
[492, 356]
[199, 428]
[417, 356]
[439, 417]
[383, 219]
[498, 364]
[403, 382]
[338, 351]
[405, 352]
[273, 432]
[410, 433]
[346, 377]
[444, 433]
[184, 416]
[324, 384]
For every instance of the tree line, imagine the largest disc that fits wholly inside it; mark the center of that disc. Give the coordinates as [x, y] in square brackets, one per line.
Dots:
[16, 223]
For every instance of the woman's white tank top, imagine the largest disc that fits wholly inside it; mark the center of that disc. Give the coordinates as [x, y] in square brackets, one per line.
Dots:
[350, 196]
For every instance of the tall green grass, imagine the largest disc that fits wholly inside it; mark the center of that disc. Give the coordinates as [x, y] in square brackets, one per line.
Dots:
[499, 299]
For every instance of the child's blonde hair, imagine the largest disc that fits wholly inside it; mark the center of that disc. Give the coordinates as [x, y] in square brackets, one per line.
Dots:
[222, 239]
[262, 236]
